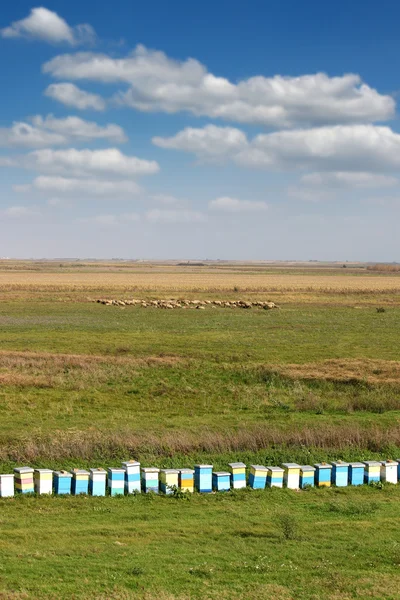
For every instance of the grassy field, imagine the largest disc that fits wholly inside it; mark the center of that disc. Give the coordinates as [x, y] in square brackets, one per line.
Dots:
[82, 384]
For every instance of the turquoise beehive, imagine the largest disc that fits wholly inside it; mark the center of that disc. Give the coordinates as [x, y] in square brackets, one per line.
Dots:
[323, 474]
[62, 482]
[97, 482]
[203, 478]
[221, 481]
[356, 473]
[340, 473]
[116, 481]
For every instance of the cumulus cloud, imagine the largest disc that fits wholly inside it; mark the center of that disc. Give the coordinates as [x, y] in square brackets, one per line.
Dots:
[344, 179]
[50, 131]
[158, 215]
[46, 25]
[159, 83]
[91, 187]
[70, 95]
[233, 205]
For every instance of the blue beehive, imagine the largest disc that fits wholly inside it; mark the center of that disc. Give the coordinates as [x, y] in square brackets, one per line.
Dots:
[307, 476]
[340, 473]
[150, 479]
[275, 476]
[221, 481]
[62, 482]
[203, 478]
[238, 475]
[80, 481]
[323, 475]
[97, 482]
[356, 473]
[258, 477]
[116, 481]
[372, 471]
[132, 476]
[398, 468]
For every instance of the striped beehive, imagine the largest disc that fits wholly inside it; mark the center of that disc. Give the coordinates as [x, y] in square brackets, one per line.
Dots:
[258, 477]
[80, 481]
[307, 476]
[221, 481]
[62, 482]
[186, 480]
[398, 469]
[356, 473]
[149, 477]
[6, 485]
[238, 475]
[323, 475]
[389, 471]
[203, 478]
[24, 480]
[372, 471]
[340, 473]
[43, 481]
[132, 476]
[291, 476]
[169, 478]
[115, 481]
[97, 482]
[275, 477]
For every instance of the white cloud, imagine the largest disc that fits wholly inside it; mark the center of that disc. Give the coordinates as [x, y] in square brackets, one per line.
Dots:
[159, 83]
[70, 95]
[111, 220]
[50, 131]
[233, 205]
[92, 187]
[46, 25]
[344, 179]
[19, 212]
[157, 215]
[167, 200]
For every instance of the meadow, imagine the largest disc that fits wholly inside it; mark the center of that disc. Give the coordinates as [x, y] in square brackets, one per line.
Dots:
[83, 384]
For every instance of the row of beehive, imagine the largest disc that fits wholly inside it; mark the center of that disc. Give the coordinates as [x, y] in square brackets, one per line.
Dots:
[131, 478]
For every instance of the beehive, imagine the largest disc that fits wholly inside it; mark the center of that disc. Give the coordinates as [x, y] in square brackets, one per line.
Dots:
[97, 482]
[62, 482]
[340, 473]
[132, 476]
[150, 479]
[80, 481]
[186, 480]
[258, 477]
[291, 476]
[323, 474]
[275, 477]
[203, 478]
[24, 480]
[389, 471]
[221, 481]
[398, 468]
[238, 475]
[115, 481]
[6, 485]
[307, 476]
[169, 478]
[43, 481]
[356, 473]
[372, 471]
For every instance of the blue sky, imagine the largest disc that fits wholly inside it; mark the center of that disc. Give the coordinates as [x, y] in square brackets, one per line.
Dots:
[226, 130]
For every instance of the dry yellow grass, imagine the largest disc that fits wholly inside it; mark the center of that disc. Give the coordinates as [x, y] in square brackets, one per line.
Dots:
[362, 370]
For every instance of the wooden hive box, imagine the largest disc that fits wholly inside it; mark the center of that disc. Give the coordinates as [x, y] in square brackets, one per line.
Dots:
[291, 476]
[356, 473]
[275, 476]
[221, 481]
[372, 471]
[340, 473]
[389, 471]
[62, 482]
[149, 476]
[97, 481]
[258, 477]
[116, 481]
[307, 476]
[323, 474]
[169, 478]
[6, 485]
[80, 481]
[43, 481]
[203, 478]
[238, 475]
[132, 476]
[186, 480]
[24, 480]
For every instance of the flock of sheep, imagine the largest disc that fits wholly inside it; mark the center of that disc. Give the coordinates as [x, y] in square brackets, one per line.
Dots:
[198, 304]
